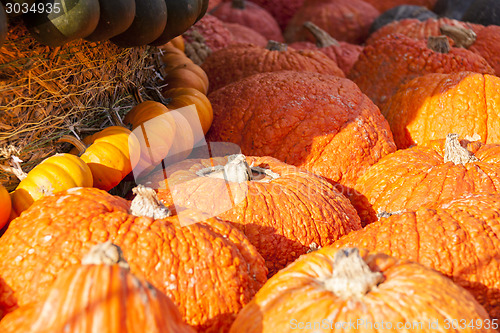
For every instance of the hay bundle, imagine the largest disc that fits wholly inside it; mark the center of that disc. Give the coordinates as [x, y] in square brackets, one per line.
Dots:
[48, 92]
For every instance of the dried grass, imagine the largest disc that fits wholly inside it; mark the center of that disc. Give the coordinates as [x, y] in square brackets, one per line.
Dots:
[48, 92]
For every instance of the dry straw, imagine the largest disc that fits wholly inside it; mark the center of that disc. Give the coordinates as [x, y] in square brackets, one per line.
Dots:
[74, 89]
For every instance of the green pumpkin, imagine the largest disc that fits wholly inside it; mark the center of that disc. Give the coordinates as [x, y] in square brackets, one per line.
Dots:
[116, 17]
[3, 25]
[75, 19]
[149, 22]
[182, 14]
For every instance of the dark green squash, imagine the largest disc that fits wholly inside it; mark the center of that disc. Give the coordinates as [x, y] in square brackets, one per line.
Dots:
[3, 25]
[116, 17]
[485, 12]
[182, 14]
[9, 5]
[76, 19]
[148, 25]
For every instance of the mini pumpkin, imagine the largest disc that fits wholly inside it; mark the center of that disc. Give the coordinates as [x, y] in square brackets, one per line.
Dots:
[251, 15]
[207, 267]
[408, 178]
[238, 61]
[431, 106]
[396, 59]
[344, 20]
[109, 299]
[458, 237]
[319, 122]
[54, 174]
[355, 290]
[186, 75]
[282, 210]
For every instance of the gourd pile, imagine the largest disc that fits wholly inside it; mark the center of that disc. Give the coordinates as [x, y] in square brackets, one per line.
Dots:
[251, 166]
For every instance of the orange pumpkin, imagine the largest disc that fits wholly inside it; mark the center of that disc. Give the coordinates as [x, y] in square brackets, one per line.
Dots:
[207, 267]
[54, 174]
[109, 299]
[431, 106]
[351, 290]
[186, 75]
[5, 206]
[425, 175]
[282, 210]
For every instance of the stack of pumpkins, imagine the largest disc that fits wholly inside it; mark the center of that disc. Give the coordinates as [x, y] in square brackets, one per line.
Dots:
[363, 194]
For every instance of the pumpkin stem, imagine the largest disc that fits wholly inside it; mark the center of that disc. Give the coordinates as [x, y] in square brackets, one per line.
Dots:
[105, 253]
[462, 37]
[351, 276]
[273, 45]
[323, 38]
[147, 204]
[79, 145]
[239, 4]
[439, 44]
[454, 152]
[236, 170]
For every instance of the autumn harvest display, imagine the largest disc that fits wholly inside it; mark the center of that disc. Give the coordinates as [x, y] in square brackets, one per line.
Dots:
[249, 166]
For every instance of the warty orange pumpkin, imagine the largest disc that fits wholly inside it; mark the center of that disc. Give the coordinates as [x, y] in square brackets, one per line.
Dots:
[238, 61]
[351, 290]
[107, 298]
[459, 238]
[345, 20]
[426, 174]
[283, 210]
[433, 105]
[206, 266]
[322, 123]
[54, 174]
[396, 59]
[245, 35]
[251, 15]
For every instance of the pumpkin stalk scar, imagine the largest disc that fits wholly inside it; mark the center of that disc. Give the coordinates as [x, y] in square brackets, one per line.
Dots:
[439, 44]
[237, 170]
[454, 152]
[147, 204]
[351, 276]
[462, 37]
[106, 253]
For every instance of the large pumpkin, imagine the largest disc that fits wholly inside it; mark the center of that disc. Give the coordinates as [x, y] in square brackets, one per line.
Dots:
[238, 61]
[351, 290]
[431, 106]
[108, 299]
[345, 20]
[458, 238]
[207, 267]
[281, 10]
[282, 210]
[396, 59]
[322, 123]
[245, 35]
[54, 174]
[426, 174]
[251, 15]
[487, 44]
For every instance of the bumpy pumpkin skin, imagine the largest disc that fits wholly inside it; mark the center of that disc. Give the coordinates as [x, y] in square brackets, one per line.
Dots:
[344, 20]
[431, 106]
[300, 292]
[310, 209]
[396, 59]
[213, 30]
[238, 61]
[420, 29]
[109, 299]
[488, 46]
[252, 16]
[59, 230]
[459, 238]
[281, 10]
[419, 177]
[245, 35]
[322, 123]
